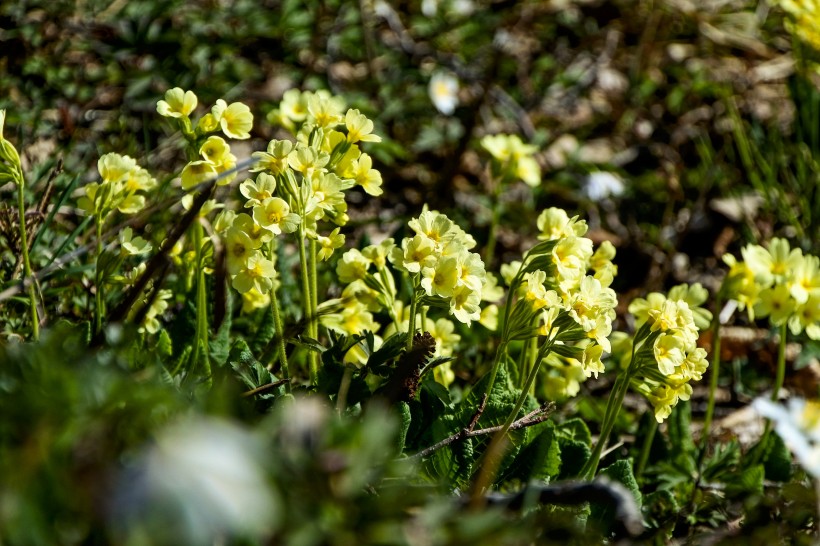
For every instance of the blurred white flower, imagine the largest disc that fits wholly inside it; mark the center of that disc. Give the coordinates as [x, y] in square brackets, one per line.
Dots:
[202, 479]
[429, 7]
[602, 184]
[444, 92]
[799, 426]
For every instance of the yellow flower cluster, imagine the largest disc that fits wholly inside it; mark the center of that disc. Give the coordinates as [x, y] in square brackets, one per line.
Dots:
[325, 160]
[512, 159]
[251, 269]
[235, 120]
[439, 256]
[805, 19]
[780, 282]
[122, 187]
[668, 358]
[564, 294]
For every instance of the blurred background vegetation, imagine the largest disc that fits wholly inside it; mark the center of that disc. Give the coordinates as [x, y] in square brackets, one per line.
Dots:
[706, 111]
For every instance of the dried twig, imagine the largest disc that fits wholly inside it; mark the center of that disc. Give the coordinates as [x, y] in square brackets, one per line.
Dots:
[533, 418]
[264, 388]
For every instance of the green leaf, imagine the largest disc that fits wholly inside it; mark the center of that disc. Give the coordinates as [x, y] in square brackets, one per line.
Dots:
[621, 471]
[541, 458]
[220, 345]
[750, 480]
[778, 461]
[405, 417]
[722, 460]
[264, 332]
[575, 429]
[249, 370]
[164, 346]
[574, 455]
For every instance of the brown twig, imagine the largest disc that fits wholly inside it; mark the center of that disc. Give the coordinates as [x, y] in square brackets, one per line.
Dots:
[264, 388]
[533, 418]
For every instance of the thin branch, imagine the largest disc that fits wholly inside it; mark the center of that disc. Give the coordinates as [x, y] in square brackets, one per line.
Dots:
[533, 418]
[264, 388]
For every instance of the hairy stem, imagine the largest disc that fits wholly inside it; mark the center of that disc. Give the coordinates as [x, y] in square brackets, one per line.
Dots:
[32, 296]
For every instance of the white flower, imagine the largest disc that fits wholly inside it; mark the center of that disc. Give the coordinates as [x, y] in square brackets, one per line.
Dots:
[602, 184]
[444, 92]
[202, 478]
[799, 426]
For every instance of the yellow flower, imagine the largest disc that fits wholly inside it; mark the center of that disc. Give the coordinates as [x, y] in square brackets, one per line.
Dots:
[133, 246]
[197, 172]
[554, 223]
[776, 303]
[592, 360]
[257, 274]
[359, 128]
[235, 119]
[669, 353]
[325, 110]
[805, 279]
[307, 161]
[807, 317]
[256, 191]
[330, 243]
[177, 103]
[440, 279]
[275, 159]
[366, 176]
[465, 304]
[274, 214]
[238, 248]
[414, 254]
[253, 300]
[353, 266]
[257, 233]
[489, 317]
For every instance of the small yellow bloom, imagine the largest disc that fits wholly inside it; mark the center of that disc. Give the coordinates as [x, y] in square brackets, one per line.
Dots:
[257, 274]
[235, 119]
[197, 172]
[330, 243]
[177, 103]
[274, 214]
[359, 128]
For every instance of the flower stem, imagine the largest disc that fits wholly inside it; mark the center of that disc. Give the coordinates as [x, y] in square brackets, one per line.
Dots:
[307, 299]
[613, 406]
[201, 348]
[314, 305]
[277, 323]
[99, 301]
[646, 447]
[414, 303]
[780, 376]
[21, 208]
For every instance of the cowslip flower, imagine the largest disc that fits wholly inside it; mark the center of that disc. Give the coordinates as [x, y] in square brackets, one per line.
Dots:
[258, 274]
[133, 246]
[359, 128]
[197, 172]
[274, 215]
[236, 119]
[329, 243]
[177, 103]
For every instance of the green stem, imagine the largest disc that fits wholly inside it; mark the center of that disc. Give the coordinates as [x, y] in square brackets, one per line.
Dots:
[99, 301]
[277, 323]
[32, 296]
[314, 304]
[613, 407]
[411, 324]
[778, 384]
[306, 298]
[201, 344]
[491, 458]
[646, 447]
